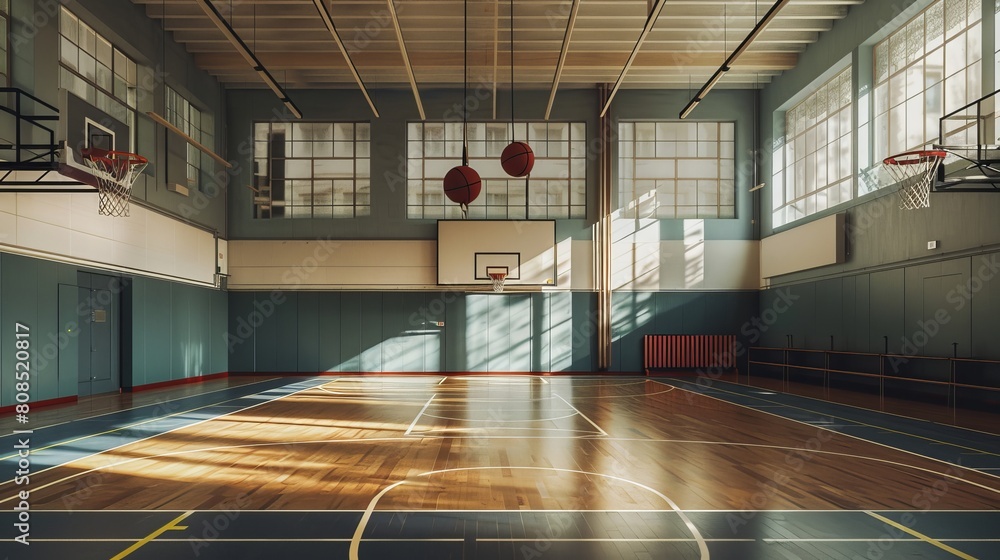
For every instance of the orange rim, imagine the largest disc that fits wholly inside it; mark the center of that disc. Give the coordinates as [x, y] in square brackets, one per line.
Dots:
[113, 157]
[918, 156]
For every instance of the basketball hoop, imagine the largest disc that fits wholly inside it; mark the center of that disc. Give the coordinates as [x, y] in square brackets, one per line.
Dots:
[115, 173]
[498, 280]
[914, 171]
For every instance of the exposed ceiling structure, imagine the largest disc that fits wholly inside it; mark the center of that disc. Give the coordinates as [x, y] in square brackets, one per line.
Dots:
[689, 41]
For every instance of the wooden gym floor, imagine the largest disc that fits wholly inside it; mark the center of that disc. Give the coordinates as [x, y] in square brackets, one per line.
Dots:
[488, 467]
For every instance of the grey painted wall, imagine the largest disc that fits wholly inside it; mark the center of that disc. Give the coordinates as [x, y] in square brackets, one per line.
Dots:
[397, 332]
[388, 218]
[921, 309]
[35, 68]
[176, 330]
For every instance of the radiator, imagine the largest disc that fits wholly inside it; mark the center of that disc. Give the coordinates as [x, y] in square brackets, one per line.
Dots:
[677, 351]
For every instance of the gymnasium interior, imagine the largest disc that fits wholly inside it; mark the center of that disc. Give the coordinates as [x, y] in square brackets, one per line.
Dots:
[499, 279]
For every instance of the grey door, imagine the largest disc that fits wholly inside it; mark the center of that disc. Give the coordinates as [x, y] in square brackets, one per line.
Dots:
[98, 322]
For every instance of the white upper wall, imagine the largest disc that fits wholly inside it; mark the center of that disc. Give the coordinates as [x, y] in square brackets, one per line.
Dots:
[66, 227]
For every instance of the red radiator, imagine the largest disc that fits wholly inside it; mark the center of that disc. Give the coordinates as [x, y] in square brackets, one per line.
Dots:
[675, 351]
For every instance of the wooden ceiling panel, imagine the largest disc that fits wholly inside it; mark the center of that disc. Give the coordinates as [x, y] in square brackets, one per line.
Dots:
[689, 41]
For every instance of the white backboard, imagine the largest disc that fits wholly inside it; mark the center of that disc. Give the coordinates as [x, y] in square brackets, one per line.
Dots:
[469, 249]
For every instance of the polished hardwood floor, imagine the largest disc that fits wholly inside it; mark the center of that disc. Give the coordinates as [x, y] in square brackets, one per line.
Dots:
[505, 443]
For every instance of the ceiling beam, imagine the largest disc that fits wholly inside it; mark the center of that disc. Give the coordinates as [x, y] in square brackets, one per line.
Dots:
[567, 37]
[328, 21]
[764, 21]
[248, 55]
[650, 21]
[429, 61]
[406, 60]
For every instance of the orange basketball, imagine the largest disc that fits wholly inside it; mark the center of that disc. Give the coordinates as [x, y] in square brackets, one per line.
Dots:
[517, 159]
[462, 184]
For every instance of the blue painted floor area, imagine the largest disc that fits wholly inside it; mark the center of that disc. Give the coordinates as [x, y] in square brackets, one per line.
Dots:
[62, 443]
[513, 535]
[969, 448]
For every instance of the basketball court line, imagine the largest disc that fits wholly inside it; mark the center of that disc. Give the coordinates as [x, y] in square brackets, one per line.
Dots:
[857, 407]
[152, 404]
[372, 440]
[35, 473]
[849, 421]
[366, 517]
[921, 536]
[123, 428]
[584, 416]
[417, 417]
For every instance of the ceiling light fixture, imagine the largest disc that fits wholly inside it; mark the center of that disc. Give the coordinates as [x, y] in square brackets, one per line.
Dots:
[248, 55]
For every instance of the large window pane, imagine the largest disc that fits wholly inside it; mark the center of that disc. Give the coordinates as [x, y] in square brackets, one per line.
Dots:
[817, 151]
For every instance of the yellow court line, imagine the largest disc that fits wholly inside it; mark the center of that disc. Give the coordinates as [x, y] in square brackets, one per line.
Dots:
[921, 536]
[948, 443]
[169, 526]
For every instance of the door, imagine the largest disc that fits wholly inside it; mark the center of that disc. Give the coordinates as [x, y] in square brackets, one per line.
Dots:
[98, 323]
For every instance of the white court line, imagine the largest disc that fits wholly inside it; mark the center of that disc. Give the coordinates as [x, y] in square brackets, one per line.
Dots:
[622, 540]
[570, 415]
[154, 403]
[82, 473]
[880, 539]
[519, 510]
[419, 414]
[443, 379]
[359, 532]
[603, 433]
[845, 434]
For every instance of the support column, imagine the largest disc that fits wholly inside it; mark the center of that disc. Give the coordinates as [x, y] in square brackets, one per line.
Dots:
[602, 236]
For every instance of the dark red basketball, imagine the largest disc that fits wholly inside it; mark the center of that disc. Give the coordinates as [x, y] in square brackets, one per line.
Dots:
[517, 159]
[462, 184]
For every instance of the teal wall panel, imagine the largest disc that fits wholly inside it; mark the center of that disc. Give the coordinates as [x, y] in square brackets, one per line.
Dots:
[350, 333]
[240, 336]
[286, 334]
[984, 305]
[399, 332]
[307, 328]
[168, 331]
[330, 351]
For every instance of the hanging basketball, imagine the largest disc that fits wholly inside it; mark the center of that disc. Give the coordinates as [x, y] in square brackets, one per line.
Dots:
[517, 159]
[462, 184]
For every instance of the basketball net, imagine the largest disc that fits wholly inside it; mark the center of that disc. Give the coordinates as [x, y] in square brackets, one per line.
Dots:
[115, 173]
[498, 279]
[914, 171]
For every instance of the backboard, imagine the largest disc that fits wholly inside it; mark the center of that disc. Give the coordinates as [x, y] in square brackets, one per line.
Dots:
[469, 250]
[81, 126]
[42, 144]
[971, 137]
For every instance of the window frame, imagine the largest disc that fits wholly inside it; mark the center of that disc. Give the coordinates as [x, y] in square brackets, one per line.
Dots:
[510, 195]
[360, 182]
[721, 149]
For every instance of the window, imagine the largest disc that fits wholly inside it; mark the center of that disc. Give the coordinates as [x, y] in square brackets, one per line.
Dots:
[813, 171]
[312, 170]
[94, 70]
[928, 67]
[679, 169]
[557, 187]
[185, 116]
[4, 43]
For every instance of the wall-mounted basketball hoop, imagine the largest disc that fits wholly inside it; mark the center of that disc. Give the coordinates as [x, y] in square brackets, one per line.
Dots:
[914, 172]
[498, 274]
[115, 172]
